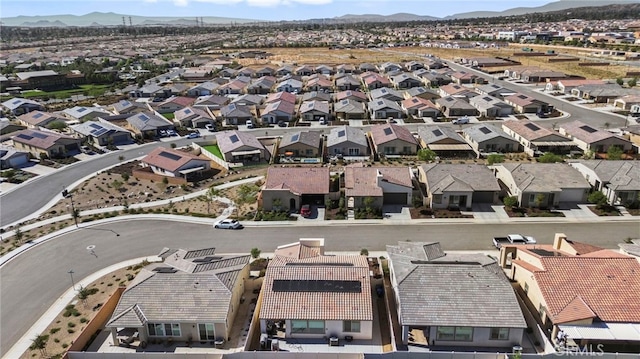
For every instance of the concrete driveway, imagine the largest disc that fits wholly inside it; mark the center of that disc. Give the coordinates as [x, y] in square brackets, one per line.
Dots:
[576, 211]
[38, 169]
[396, 212]
[487, 211]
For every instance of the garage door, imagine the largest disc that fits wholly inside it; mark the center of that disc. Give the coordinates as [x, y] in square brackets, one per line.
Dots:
[395, 198]
[482, 197]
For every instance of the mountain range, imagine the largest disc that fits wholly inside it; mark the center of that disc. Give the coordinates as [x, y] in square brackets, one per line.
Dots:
[96, 19]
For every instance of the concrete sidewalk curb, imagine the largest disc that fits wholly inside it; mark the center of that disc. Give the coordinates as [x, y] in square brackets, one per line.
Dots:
[22, 345]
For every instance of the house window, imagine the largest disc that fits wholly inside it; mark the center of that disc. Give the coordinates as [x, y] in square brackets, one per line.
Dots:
[406, 149]
[164, 330]
[206, 331]
[437, 198]
[307, 326]
[354, 151]
[464, 334]
[532, 198]
[445, 333]
[499, 334]
[458, 334]
[389, 150]
[309, 152]
[351, 326]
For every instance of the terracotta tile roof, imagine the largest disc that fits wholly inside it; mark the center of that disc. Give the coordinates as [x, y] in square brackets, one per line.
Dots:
[316, 305]
[297, 251]
[178, 100]
[281, 96]
[41, 139]
[532, 131]
[583, 248]
[388, 132]
[586, 133]
[608, 286]
[577, 309]
[363, 181]
[298, 180]
[169, 159]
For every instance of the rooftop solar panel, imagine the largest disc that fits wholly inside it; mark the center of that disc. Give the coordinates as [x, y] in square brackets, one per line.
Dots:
[485, 130]
[588, 129]
[342, 133]
[24, 136]
[234, 138]
[39, 135]
[317, 286]
[532, 126]
[295, 137]
[437, 133]
[169, 155]
[388, 131]
[38, 115]
[81, 109]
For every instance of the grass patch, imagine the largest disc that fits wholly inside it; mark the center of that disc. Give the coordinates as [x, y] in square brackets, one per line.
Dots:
[169, 116]
[214, 149]
[88, 90]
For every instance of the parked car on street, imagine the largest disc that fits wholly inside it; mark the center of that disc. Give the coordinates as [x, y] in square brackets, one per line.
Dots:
[193, 135]
[228, 224]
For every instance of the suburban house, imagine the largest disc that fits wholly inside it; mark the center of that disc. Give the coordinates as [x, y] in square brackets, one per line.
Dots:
[386, 93]
[304, 70]
[319, 83]
[281, 96]
[348, 82]
[390, 139]
[102, 133]
[463, 77]
[602, 93]
[526, 104]
[454, 107]
[445, 142]
[46, 143]
[485, 139]
[7, 127]
[35, 119]
[347, 141]
[351, 95]
[124, 107]
[421, 92]
[405, 81]
[346, 110]
[458, 186]
[261, 86]
[489, 106]
[289, 188]
[173, 104]
[173, 163]
[382, 109]
[627, 102]
[372, 80]
[83, 113]
[237, 146]
[316, 96]
[193, 295]
[18, 106]
[414, 65]
[248, 100]
[234, 87]
[315, 111]
[538, 140]
[420, 107]
[265, 71]
[284, 70]
[367, 67]
[234, 114]
[457, 91]
[565, 86]
[193, 117]
[598, 307]
[290, 85]
[212, 102]
[618, 180]
[278, 111]
[380, 185]
[12, 158]
[148, 124]
[592, 139]
[435, 79]
[447, 300]
[324, 69]
[301, 144]
[309, 295]
[389, 67]
[203, 89]
[345, 69]
[148, 91]
[542, 185]
[494, 90]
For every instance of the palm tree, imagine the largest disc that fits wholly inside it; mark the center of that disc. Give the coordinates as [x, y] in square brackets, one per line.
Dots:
[40, 343]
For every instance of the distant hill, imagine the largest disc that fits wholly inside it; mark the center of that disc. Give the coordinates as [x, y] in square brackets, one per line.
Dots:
[554, 6]
[400, 17]
[110, 19]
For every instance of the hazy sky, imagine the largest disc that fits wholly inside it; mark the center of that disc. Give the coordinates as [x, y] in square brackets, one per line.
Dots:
[258, 9]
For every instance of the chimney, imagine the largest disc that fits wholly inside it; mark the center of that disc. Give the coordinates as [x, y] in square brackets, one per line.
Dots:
[558, 240]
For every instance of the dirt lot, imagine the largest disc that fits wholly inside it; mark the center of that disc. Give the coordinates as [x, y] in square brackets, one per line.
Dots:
[68, 325]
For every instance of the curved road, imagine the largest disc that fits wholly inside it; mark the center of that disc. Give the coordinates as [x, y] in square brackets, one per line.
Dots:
[30, 283]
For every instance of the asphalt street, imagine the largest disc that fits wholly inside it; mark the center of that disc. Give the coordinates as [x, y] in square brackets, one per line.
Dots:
[30, 283]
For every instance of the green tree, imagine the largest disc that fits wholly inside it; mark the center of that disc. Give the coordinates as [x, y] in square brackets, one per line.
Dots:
[620, 81]
[614, 153]
[550, 158]
[83, 295]
[368, 203]
[328, 204]
[495, 158]
[598, 198]
[341, 203]
[364, 252]
[511, 201]
[255, 253]
[19, 235]
[56, 125]
[633, 82]
[40, 343]
[426, 154]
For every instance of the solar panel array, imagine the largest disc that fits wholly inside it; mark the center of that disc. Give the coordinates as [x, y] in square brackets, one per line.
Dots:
[38, 115]
[144, 117]
[485, 130]
[388, 131]
[234, 138]
[588, 129]
[317, 286]
[24, 136]
[437, 133]
[82, 109]
[169, 155]
[40, 135]
[342, 133]
[532, 126]
[295, 137]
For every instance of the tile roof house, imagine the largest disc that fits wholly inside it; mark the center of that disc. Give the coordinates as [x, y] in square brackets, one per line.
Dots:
[383, 185]
[349, 82]
[351, 95]
[288, 188]
[390, 139]
[543, 185]
[405, 81]
[103, 133]
[618, 180]
[148, 124]
[494, 91]
[372, 80]
[453, 300]
[420, 107]
[18, 106]
[386, 93]
[83, 113]
[301, 144]
[627, 101]
[347, 141]
[173, 163]
[203, 89]
[248, 100]
[537, 140]
[347, 109]
[598, 306]
[319, 83]
[12, 158]
[234, 87]
[382, 109]
[485, 139]
[421, 92]
[290, 85]
[281, 96]
[194, 295]
[35, 119]
[317, 296]
[172, 104]
[262, 85]
[315, 110]
[212, 102]
[234, 114]
[444, 141]
[602, 93]
[239, 146]
[458, 186]
[45, 143]
[315, 96]
[193, 117]
[463, 77]
[526, 104]
[278, 111]
[128, 107]
[589, 138]
[454, 107]
[490, 106]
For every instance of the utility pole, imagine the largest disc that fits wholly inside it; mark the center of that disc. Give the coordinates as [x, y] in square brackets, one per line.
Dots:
[66, 194]
[130, 23]
[124, 24]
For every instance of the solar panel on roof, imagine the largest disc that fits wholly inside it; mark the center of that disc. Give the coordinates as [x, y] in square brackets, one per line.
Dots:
[485, 130]
[415, 100]
[169, 155]
[144, 117]
[38, 115]
[317, 286]
[15, 102]
[125, 103]
[588, 129]
[532, 126]
[380, 103]
[344, 102]
[342, 133]
[437, 133]
[95, 125]
[187, 111]
[234, 138]
[388, 131]
[488, 99]
[295, 137]
[164, 270]
[311, 264]
[81, 109]
[522, 96]
[24, 136]
[99, 132]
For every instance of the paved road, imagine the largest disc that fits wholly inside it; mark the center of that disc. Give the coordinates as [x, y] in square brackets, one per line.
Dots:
[31, 282]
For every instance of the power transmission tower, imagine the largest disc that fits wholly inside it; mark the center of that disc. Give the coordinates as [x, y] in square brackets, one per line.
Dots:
[123, 22]
[130, 23]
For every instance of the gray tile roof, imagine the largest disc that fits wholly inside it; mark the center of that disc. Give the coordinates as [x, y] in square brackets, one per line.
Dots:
[481, 133]
[618, 175]
[228, 143]
[435, 134]
[309, 138]
[443, 177]
[348, 106]
[545, 177]
[346, 133]
[148, 121]
[460, 290]
[383, 103]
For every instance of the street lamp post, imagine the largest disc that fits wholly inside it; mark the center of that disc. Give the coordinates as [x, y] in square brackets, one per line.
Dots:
[74, 215]
[73, 284]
